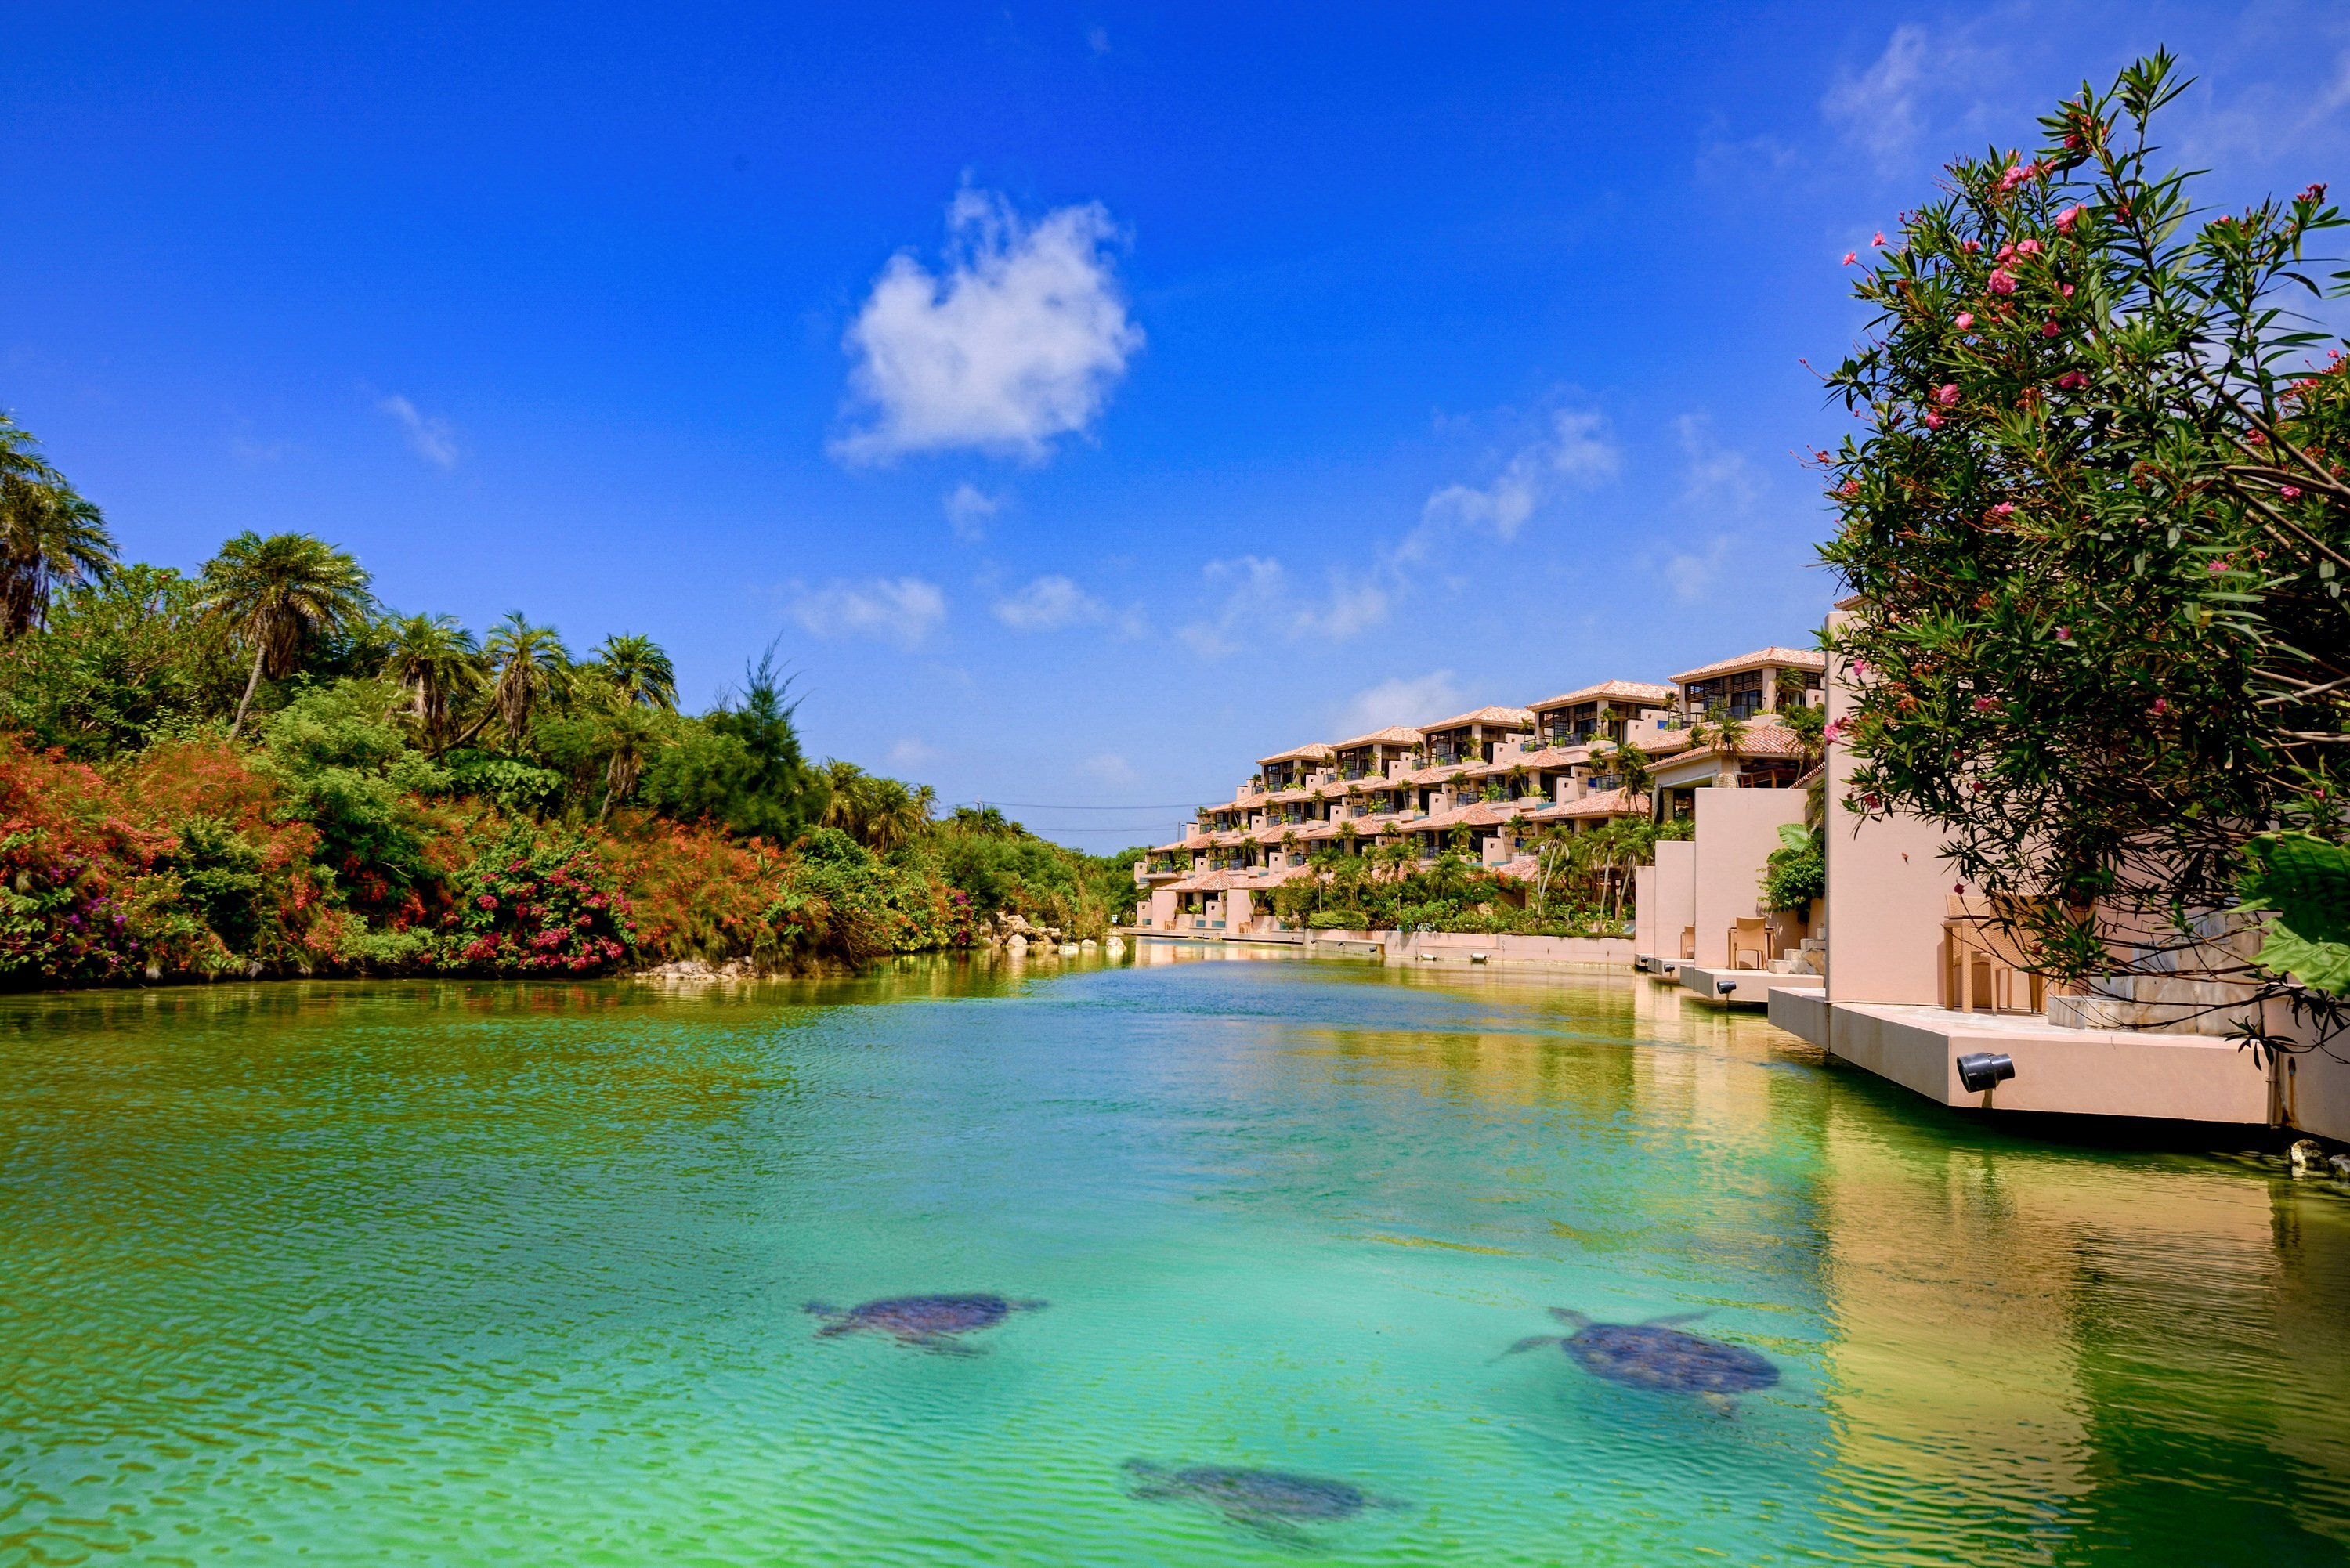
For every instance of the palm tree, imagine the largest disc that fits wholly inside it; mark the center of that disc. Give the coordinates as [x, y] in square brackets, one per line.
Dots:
[533, 667]
[631, 733]
[48, 533]
[437, 662]
[280, 594]
[639, 670]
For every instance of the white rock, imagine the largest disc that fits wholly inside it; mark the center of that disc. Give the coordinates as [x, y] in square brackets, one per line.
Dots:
[2304, 1152]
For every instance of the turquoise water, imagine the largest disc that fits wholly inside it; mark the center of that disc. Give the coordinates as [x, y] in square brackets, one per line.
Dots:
[476, 1273]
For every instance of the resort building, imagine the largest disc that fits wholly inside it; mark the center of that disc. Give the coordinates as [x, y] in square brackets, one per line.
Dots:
[1491, 783]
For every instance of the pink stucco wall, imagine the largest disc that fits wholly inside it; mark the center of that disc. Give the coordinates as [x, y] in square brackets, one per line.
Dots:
[1887, 886]
[1676, 896]
[1736, 831]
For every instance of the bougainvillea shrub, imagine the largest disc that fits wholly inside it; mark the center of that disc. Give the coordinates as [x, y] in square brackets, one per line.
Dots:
[536, 904]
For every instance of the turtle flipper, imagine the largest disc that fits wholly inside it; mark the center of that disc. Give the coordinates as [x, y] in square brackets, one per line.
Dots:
[940, 1344]
[821, 1309]
[1029, 1306]
[1569, 1316]
[1531, 1342]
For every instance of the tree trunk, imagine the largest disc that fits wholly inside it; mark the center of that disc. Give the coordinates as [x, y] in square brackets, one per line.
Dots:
[252, 684]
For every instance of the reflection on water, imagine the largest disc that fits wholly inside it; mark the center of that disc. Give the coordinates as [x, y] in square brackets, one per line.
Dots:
[457, 1272]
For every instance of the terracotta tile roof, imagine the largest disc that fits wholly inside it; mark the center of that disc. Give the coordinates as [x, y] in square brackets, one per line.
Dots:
[1599, 803]
[1316, 753]
[1551, 757]
[1393, 735]
[1636, 691]
[1792, 657]
[1517, 716]
[1764, 738]
[1435, 775]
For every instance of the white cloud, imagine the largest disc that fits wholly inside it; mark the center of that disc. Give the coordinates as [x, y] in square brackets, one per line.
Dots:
[968, 509]
[433, 440]
[902, 610]
[910, 753]
[1576, 451]
[1420, 700]
[1020, 340]
[1049, 604]
[1258, 601]
[1111, 769]
[1884, 108]
[1693, 574]
[1716, 476]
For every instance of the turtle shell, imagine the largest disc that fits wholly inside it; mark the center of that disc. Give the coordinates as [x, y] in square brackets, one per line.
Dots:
[1648, 1355]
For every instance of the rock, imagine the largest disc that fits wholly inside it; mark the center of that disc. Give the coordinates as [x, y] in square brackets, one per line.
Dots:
[2306, 1152]
[1069, 947]
[154, 971]
[1018, 944]
[1088, 944]
[2340, 1165]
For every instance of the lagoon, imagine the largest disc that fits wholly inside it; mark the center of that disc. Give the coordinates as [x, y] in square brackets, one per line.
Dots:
[481, 1272]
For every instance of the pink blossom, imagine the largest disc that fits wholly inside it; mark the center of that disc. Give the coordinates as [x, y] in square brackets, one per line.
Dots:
[2028, 248]
[2068, 291]
[2049, 329]
[1850, 257]
[1984, 704]
[2069, 217]
[2160, 707]
[2290, 492]
[1934, 421]
[1966, 320]
[2215, 565]
[2006, 253]
[2004, 509]
[1947, 394]
[1878, 238]
[2063, 634]
[1860, 668]
[2072, 380]
[486, 902]
[2001, 281]
[1848, 489]
[2016, 176]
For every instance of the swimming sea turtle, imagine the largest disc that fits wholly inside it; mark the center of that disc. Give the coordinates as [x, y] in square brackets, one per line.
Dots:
[1270, 1501]
[927, 1321]
[1656, 1354]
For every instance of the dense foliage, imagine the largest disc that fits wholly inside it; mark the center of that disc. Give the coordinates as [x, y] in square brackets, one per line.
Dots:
[2099, 524]
[1580, 889]
[255, 770]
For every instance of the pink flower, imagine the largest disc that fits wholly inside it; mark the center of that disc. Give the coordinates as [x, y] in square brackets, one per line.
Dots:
[1966, 320]
[2068, 291]
[2069, 217]
[1947, 394]
[2072, 380]
[2028, 248]
[486, 902]
[1860, 668]
[2215, 565]
[2049, 329]
[1934, 421]
[2160, 707]
[2004, 509]
[1878, 238]
[2006, 253]
[2016, 176]
[1850, 257]
[2063, 634]
[1984, 704]
[2001, 281]
[2290, 492]
[1848, 489]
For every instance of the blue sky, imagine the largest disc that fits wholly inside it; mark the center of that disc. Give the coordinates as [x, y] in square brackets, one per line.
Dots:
[1089, 399]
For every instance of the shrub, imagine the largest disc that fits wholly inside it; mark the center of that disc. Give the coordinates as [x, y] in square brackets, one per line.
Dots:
[532, 905]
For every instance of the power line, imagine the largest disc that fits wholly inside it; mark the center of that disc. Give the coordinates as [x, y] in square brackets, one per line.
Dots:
[1043, 805]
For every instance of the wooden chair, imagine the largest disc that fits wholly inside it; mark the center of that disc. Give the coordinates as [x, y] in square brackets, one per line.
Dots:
[1750, 938]
[1982, 961]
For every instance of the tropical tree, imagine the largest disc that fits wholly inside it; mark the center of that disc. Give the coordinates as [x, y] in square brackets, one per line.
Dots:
[2098, 527]
[630, 731]
[881, 814]
[279, 595]
[638, 670]
[533, 668]
[50, 537]
[438, 663]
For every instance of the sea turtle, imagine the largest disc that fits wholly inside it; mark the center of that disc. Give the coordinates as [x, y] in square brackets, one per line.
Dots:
[1656, 1354]
[930, 1322]
[1268, 1502]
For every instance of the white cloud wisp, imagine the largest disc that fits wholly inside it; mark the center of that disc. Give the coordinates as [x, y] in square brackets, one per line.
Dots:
[433, 440]
[900, 610]
[1018, 341]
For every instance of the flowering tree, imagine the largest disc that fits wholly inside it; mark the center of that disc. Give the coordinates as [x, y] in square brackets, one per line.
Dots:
[2099, 526]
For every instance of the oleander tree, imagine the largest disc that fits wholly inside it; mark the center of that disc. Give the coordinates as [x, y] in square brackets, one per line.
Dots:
[2099, 524]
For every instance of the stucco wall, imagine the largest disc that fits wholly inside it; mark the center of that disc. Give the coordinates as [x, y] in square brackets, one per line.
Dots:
[1676, 901]
[1886, 886]
[1736, 831]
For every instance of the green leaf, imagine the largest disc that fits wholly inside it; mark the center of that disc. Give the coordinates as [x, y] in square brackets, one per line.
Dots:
[2306, 882]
